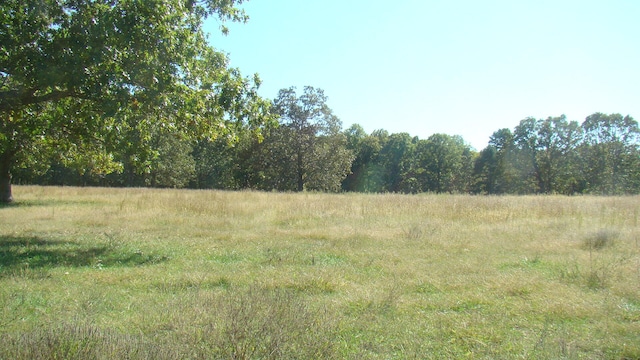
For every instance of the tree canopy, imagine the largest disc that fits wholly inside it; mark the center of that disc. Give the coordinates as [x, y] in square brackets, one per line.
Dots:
[306, 151]
[84, 77]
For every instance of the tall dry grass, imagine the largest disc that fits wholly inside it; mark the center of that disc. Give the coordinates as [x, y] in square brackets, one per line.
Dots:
[208, 274]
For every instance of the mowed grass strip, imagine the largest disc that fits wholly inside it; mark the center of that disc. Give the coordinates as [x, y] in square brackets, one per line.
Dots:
[172, 274]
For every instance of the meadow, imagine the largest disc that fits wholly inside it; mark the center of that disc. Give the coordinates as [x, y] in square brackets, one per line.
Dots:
[97, 273]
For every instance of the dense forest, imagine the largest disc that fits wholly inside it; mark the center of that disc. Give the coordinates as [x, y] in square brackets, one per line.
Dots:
[309, 150]
[131, 94]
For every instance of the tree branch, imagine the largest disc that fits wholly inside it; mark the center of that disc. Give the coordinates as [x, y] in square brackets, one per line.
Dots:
[17, 99]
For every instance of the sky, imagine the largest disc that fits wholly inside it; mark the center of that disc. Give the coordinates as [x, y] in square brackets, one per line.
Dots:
[458, 67]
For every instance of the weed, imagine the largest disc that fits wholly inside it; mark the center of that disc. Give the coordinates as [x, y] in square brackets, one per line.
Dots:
[414, 232]
[271, 324]
[72, 341]
[253, 324]
[599, 272]
[419, 231]
[601, 239]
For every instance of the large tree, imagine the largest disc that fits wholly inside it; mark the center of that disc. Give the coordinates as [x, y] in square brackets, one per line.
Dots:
[395, 158]
[610, 153]
[366, 171]
[307, 151]
[74, 73]
[525, 154]
[494, 170]
[557, 142]
[545, 154]
[441, 163]
[486, 169]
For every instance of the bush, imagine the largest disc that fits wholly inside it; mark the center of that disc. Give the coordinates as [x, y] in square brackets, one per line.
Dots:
[601, 239]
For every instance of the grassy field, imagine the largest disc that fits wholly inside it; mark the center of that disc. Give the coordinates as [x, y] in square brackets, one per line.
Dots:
[175, 274]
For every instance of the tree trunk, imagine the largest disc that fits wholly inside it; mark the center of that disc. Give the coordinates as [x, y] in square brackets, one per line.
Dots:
[5, 180]
[300, 172]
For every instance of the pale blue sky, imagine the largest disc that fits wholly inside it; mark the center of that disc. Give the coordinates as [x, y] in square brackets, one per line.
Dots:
[459, 67]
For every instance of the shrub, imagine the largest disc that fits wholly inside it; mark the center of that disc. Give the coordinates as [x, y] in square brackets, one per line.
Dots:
[601, 239]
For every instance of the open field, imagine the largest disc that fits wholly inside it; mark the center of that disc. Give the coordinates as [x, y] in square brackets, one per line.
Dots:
[174, 274]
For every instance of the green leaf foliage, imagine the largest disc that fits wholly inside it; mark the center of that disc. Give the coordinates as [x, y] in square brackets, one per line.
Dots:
[307, 151]
[107, 74]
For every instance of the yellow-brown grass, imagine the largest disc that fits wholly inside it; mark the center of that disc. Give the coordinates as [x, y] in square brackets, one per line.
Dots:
[380, 276]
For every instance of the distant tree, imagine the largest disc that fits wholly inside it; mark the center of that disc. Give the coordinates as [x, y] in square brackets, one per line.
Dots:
[610, 153]
[486, 171]
[174, 165]
[271, 164]
[331, 164]
[506, 173]
[632, 185]
[441, 163]
[71, 72]
[395, 159]
[463, 179]
[366, 173]
[524, 156]
[556, 156]
[544, 156]
[307, 151]
[559, 156]
[217, 164]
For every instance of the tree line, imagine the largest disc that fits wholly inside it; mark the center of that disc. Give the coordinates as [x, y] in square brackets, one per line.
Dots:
[307, 150]
[130, 93]
[539, 156]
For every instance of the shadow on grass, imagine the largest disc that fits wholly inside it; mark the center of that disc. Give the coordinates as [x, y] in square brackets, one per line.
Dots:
[13, 204]
[23, 253]
[43, 202]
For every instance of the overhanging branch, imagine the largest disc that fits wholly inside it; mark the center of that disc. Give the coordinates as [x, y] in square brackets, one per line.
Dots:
[11, 100]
